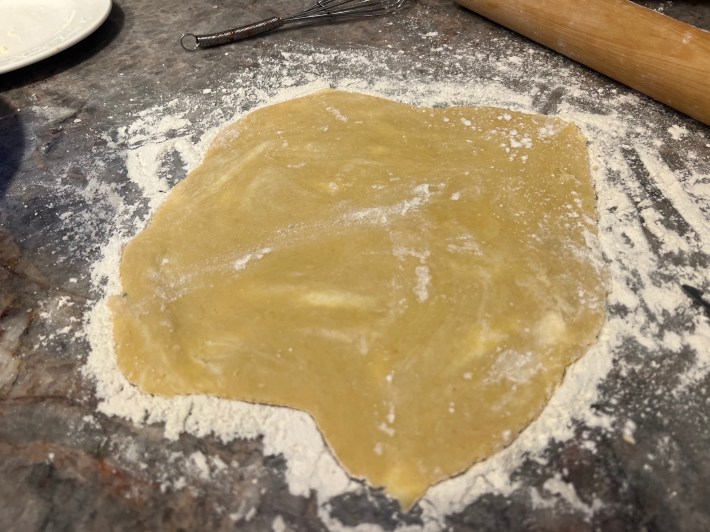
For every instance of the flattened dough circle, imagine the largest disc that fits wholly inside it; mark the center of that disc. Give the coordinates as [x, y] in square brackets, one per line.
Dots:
[416, 279]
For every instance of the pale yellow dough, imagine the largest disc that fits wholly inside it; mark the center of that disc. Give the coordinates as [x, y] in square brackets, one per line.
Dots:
[416, 279]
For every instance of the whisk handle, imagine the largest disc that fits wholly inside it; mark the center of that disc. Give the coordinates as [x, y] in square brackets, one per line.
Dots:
[190, 41]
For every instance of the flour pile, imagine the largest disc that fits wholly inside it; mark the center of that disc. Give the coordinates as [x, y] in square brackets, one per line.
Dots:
[648, 251]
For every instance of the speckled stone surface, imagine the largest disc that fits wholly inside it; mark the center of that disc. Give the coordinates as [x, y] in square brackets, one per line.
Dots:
[65, 467]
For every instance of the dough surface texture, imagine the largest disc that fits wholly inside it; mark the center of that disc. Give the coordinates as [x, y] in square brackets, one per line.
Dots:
[416, 279]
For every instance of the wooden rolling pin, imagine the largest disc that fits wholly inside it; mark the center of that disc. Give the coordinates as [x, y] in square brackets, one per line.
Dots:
[659, 56]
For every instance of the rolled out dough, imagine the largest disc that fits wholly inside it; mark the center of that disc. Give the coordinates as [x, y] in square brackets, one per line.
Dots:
[416, 279]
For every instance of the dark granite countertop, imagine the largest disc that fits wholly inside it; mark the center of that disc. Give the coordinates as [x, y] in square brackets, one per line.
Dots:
[63, 465]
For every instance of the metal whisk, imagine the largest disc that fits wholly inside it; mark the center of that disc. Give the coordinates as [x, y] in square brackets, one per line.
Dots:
[322, 9]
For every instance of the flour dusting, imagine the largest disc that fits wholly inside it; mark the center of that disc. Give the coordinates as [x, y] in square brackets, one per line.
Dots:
[243, 262]
[637, 244]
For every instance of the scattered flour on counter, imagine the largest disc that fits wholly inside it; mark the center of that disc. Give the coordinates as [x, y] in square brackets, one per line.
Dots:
[639, 280]
[677, 132]
[279, 525]
[558, 488]
[199, 462]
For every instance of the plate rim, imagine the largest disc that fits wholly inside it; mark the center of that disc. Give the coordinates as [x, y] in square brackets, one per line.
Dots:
[102, 9]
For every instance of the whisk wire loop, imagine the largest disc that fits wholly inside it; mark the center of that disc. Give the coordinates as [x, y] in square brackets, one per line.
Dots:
[331, 9]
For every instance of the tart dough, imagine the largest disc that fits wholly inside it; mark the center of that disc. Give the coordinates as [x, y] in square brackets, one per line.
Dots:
[416, 279]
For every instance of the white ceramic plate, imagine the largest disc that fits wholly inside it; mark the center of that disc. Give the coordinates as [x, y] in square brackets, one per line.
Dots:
[31, 30]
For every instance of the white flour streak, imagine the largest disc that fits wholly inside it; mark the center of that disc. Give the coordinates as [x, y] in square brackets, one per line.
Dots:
[423, 282]
[243, 262]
